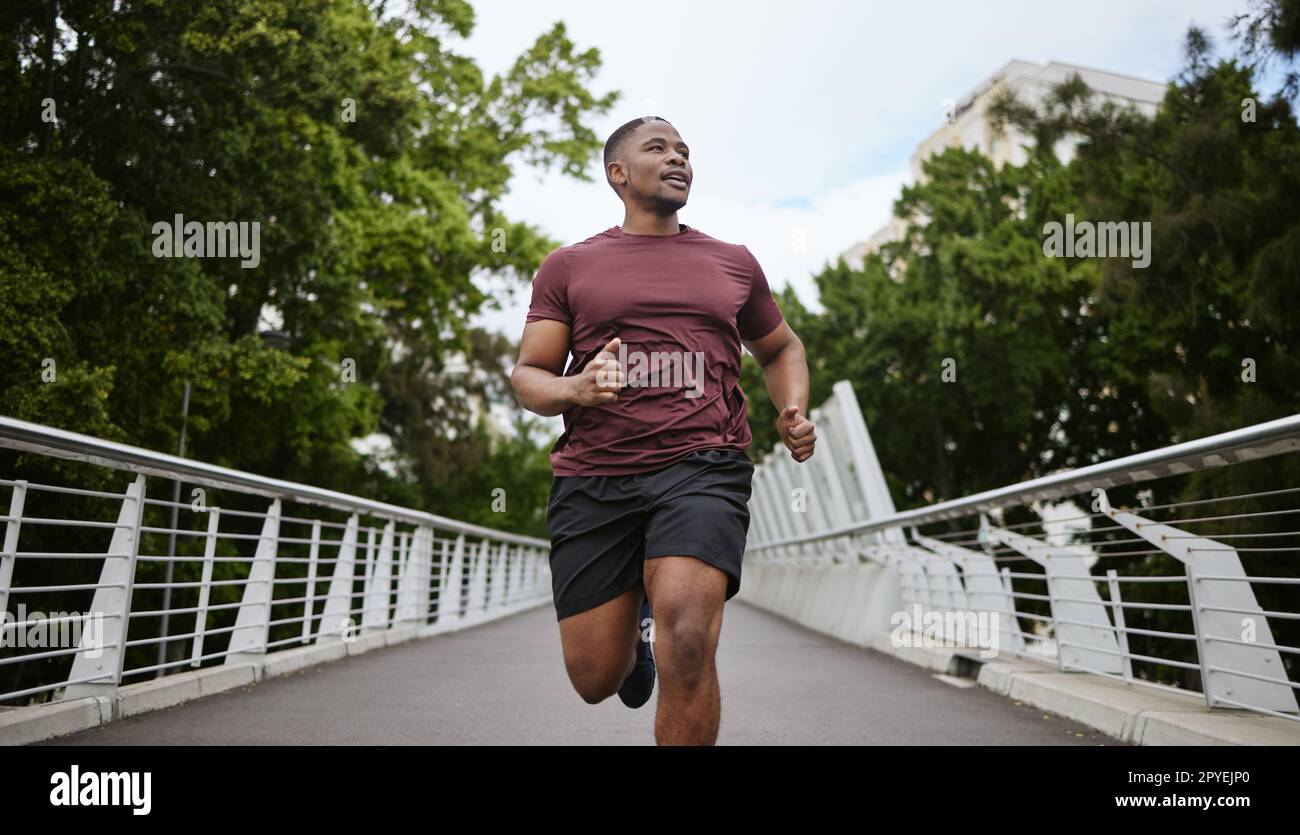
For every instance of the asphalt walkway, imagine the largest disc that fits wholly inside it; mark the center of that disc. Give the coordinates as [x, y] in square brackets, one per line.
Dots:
[504, 683]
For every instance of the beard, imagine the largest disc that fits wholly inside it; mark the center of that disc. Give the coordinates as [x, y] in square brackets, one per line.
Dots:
[664, 201]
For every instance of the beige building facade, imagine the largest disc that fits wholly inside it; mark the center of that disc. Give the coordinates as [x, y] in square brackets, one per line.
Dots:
[966, 124]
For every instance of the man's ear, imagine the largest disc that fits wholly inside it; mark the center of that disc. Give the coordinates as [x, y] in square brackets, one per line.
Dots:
[616, 166]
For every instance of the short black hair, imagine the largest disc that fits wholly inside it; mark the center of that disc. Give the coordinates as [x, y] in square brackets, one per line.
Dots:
[618, 138]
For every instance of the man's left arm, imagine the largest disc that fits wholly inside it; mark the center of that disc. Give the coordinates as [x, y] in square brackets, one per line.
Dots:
[785, 370]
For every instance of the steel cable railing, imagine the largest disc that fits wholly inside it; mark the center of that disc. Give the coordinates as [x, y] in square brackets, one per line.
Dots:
[1182, 590]
[257, 565]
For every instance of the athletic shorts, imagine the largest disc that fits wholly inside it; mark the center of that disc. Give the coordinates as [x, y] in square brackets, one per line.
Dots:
[604, 528]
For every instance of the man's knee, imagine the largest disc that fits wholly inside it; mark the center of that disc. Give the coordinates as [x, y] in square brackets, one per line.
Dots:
[598, 674]
[595, 683]
[686, 639]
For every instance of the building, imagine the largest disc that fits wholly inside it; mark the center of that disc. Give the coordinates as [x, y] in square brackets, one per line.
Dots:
[966, 123]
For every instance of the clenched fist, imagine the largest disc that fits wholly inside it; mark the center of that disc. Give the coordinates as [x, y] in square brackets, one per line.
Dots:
[600, 381]
[797, 433]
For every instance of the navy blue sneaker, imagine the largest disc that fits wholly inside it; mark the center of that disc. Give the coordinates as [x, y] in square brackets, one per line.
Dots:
[639, 683]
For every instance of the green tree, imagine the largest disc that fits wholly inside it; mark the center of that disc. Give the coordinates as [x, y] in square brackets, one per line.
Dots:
[976, 360]
[1216, 173]
[372, 155]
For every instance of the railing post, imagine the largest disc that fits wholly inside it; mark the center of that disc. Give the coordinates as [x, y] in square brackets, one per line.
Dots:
[444, 571]
[866, 465]
[451, 582]
[785, 476]
[478, 588]
[1004, 574]
[515, 571]
[12, 529]
[337, 617]
[490, 555]
[422, 579]
[387, 556]
[768, 497]
[983, 591]
[414, 578]
[402, 558]
[529, 581]
[1222, 601]
[483, 580]
[501, 579]
[205, 585]
[541, 572]
[758, 521]
[1086, 641]
[380, 586]
[428, 612]
[497, 580]
[1121, 632]
[309, 605]
[112, 602]
[408, 550]
[1201, 646]
[253, 624]
[368, 572]
[831, 446]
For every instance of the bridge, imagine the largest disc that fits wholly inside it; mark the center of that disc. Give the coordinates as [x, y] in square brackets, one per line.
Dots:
[252, 610]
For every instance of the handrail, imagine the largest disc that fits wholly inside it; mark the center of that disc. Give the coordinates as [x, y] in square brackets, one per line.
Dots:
[1263, 440]
[60, 443]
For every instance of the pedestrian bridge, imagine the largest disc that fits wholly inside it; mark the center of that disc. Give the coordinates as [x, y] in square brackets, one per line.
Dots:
[151, 599]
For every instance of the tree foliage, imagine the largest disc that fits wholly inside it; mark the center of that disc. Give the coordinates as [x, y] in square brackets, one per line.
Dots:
[374, 158]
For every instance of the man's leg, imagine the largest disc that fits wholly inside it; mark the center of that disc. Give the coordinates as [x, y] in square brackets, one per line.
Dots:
[686, 596]
[600, 645]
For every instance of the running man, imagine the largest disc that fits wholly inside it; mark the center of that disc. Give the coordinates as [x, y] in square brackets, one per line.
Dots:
[649, 507]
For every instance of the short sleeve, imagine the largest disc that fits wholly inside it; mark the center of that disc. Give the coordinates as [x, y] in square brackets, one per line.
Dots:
[551, 291]
[760, 314]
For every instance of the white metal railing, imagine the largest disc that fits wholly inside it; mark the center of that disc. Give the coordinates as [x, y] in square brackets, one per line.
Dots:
[337, 568]
[959, 558]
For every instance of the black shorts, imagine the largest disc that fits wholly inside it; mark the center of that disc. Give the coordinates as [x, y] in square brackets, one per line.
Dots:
[604, 528]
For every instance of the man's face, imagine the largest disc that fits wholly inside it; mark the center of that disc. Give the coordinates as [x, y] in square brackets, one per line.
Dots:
[654, 169]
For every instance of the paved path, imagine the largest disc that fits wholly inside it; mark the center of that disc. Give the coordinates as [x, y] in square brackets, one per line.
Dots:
[504, 683]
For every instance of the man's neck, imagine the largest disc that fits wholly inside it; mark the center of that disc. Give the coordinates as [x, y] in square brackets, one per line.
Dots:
[642, 223]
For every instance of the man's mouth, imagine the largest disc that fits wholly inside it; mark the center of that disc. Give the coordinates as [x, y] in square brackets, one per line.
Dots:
[676, 179]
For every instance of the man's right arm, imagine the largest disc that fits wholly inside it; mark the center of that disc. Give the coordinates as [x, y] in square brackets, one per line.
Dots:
[536, 379]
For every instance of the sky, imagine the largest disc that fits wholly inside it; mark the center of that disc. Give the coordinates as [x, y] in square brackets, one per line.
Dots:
[801, 118]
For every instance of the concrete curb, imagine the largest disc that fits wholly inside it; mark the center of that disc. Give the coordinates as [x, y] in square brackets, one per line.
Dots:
[21, 725]
[1137, 714]
[290, 660]
[25, 725]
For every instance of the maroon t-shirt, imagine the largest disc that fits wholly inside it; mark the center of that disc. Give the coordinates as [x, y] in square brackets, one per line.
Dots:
[680, 305]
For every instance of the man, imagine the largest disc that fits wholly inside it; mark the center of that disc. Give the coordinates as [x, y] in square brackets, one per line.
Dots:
[649, 506]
